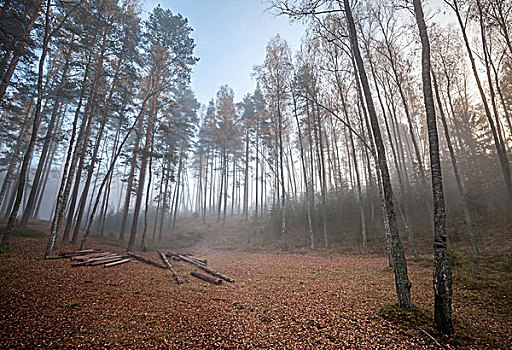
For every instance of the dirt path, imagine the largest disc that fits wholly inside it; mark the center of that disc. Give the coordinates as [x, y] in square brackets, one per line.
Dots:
[279, 301]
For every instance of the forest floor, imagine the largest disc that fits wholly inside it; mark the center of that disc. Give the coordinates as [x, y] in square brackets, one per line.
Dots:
[280, 300]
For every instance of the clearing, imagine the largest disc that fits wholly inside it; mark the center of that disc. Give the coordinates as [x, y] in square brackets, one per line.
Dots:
[278, 301]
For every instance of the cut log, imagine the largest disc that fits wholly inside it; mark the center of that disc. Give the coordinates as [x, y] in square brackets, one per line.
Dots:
[206, 269]
[117, 262]
[106, 261]
[176, 257]
[53, 257]
[199, 260]
[90, 261]
[112, 255]
[206, 278]
[147, 260]
[77, 252]
[89, 256]
[169, 267]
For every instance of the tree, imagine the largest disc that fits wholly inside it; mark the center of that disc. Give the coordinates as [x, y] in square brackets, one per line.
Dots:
[442, 271]
[273, 76]
[169, 50]
[17, 21]
[35, 128]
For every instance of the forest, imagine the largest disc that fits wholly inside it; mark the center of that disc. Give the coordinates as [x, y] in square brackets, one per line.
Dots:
[359, 197]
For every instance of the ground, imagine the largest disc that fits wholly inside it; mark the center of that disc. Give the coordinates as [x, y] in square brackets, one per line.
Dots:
[280, 300]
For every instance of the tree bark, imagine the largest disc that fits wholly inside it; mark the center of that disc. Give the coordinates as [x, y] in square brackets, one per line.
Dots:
[15, 154]
[35, 129]
[65, 185]
[29, 210]
[129, 183]
[403, 285]
[442, 270]
[18, 51]
[143, 165]
[304, 172]
[505, 168]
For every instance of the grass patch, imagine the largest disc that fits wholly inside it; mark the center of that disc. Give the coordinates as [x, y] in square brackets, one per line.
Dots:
[421, 320]
[73, 305]
[491, 275]
[416, 317]
[25, 232]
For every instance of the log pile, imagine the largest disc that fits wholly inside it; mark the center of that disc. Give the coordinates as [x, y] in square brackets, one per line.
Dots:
[91, 257]
[199, 263]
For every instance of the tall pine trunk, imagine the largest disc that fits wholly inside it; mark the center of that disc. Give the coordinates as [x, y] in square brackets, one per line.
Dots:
[35, 129]
[29, 210]
[143, 166]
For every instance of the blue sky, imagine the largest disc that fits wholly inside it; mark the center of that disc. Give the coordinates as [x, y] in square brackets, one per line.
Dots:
[231, 37]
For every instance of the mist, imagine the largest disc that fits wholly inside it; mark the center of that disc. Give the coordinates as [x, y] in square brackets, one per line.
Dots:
[382, 140]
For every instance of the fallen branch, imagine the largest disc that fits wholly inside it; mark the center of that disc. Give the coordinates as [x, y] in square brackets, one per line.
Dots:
[147, 260]
[431, 337]
[117, 262]
[169, 267]
[206, 269]
[206, 278]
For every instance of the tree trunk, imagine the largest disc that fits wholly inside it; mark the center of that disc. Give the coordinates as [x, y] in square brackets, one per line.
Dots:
[109, 172]
[15, 154]
[164, 202]
[442, 270]
[505, 168]
[143, 165]
[246, 177]
[148, 195]
[129, 183]
[458, 180]
[283, 192]
[65, 185]
[35, 129]
[356, 168]
[226, 172]
[85, 191]
[403, 285]
[29, 210]
[304, 172]
[206, 185]
[47, 168]
[178, 181]
[18, 51]
[88, 118]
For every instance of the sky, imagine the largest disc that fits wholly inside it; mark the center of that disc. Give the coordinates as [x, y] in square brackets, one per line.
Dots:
[231, 37]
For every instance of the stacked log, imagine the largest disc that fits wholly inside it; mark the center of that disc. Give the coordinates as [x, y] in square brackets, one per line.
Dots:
[169, 267]
[204, 268]
[147, 260]
[91, 257]
[119, 262]
[206, 278]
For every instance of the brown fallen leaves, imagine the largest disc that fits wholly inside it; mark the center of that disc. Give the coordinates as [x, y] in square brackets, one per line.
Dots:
[280, 301]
